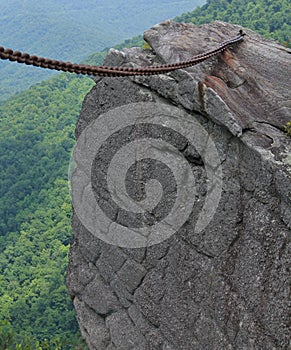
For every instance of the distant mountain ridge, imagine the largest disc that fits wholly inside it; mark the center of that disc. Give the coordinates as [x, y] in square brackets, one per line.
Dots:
[71, 30]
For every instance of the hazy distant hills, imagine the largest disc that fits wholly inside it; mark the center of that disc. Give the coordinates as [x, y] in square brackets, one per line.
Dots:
[70, 30]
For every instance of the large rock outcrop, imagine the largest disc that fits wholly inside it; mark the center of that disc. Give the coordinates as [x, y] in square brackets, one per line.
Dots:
[223, 286]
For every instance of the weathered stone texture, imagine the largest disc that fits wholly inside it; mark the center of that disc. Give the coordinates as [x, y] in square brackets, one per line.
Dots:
[226, 287]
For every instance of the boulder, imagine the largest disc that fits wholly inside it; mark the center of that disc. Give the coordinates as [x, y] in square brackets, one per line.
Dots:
[215, 276]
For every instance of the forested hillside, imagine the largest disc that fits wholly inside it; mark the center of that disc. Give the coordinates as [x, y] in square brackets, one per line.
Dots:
[70, 30]
[271, 18]
[37, 136]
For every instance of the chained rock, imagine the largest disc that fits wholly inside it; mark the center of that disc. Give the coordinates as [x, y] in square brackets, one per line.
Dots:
[224, 285]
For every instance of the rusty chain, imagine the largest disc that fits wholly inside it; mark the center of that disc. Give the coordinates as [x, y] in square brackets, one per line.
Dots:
[17, 56]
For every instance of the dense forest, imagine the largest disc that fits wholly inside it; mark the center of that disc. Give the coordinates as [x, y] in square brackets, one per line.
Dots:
[37, 136]
[271, 18]
[36, 140]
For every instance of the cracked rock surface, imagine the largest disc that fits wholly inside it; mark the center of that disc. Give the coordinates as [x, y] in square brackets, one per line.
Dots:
[225, 287]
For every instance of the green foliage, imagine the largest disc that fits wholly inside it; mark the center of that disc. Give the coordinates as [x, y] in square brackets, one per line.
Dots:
[288, 128]
[33, 292]
[96, 58]
[9, 340]
[270, 18]
[37, 134]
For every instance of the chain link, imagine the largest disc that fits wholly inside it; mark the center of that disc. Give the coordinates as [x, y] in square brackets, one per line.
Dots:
[17, 56]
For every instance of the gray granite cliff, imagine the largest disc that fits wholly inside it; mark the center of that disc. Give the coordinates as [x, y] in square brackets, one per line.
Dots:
[225, 286]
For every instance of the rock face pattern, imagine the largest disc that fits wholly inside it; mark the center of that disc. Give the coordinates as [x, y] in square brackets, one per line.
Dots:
[227, 286]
